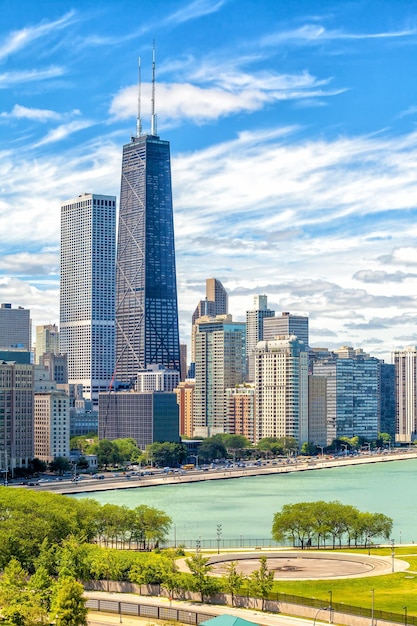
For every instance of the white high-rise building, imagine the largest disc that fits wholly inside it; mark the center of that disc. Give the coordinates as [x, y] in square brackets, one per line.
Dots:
[281, 384]
[88, 254]
[405, 362]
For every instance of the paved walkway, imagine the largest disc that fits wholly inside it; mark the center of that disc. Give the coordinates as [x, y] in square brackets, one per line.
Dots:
[306, 565]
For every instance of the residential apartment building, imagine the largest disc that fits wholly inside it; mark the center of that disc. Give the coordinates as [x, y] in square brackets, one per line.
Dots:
[281, 385]
[220, 363]
[240, 407]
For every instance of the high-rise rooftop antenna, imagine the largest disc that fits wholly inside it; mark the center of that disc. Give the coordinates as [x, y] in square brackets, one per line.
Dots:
[153, 116]
[138, 119]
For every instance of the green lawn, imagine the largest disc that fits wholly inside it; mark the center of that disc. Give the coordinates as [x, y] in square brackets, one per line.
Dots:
[392, 592]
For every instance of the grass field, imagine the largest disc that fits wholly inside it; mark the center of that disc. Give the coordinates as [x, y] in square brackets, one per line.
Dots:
[392, 592]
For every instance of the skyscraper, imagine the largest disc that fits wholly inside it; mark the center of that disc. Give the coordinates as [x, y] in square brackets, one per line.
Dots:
[47, 340]
[254, 331]
[146, 288]
[88, 250]
[216, 303]
[286, 324]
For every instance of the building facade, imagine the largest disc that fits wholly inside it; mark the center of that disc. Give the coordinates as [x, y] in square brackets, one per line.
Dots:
[185, 400]
[47, 340]
[255, 330]
[146, 288]
[88, 240]
[157, 378]
[353, 394]
[145, 417]
[51, 425]
[16, 415]
[286, 324]
[281, 384]
[405, 362]
[220, 363]
[240, 407]
[15, 328]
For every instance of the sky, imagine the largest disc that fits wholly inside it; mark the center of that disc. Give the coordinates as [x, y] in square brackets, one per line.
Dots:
[293, 143]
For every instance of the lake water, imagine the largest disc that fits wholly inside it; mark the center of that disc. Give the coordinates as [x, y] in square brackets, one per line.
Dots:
[244, 507]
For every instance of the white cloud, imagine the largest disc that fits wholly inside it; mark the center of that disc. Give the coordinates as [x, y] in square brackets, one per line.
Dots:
[39, 115]
[316, 34]
[224, 94]
[61, 132]
[9, 79]
[21, 38]
[194, 10]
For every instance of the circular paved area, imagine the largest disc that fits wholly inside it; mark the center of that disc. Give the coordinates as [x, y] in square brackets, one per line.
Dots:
[310, 565]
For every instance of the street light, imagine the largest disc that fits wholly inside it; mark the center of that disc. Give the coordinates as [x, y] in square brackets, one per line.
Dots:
[326, 608]
[392, 553]
[372, 607]
[330, 605]
[219, 537]
[195, 456]
[405, 615]
[322, 449]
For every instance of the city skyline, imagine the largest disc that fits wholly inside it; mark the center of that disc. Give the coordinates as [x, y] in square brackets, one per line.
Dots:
[292, 131]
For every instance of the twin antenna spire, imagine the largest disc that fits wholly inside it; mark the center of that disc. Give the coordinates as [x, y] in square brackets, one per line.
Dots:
[153, 115]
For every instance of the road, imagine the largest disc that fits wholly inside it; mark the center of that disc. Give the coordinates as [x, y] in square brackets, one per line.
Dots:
[119, 481]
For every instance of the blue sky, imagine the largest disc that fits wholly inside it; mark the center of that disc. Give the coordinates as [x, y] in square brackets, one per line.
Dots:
[293, 140]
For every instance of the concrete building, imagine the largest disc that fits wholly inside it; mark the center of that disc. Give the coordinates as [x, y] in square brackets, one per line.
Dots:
[185, 400]
[47, 340]
[146, 417]
[157, 378]
[388, 423]
[220, 363]
[286, 324]
[15, 328]
[16, 415]
[240, 407]
[281, 384]
[83, 416]
[51, 425]
[254, 331]
[57, 366]
[317, 410]
[88, 247]
[405, 362]
[215, 303]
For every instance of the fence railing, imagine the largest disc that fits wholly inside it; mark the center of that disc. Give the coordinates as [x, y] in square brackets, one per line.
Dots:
[193, 616]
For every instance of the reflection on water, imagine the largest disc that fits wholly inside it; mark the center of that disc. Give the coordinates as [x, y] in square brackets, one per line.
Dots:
[245, 506]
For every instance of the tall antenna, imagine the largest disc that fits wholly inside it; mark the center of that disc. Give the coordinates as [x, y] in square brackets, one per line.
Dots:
[153, 116]
[138, 119]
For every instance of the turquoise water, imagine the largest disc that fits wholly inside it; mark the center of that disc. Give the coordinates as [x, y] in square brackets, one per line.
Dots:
[245, 506]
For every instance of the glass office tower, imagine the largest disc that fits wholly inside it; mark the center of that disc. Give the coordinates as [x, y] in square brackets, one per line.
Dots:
[146, 289]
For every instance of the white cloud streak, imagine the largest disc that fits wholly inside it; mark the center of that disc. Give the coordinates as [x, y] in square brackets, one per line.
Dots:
[20, 39]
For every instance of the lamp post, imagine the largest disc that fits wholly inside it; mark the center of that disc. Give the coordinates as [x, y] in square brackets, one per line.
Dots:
[392, 554]
[195, 456]
[330, 605]
[326, 608]
[405, 615]
[372, 606]
[344, 447]
[219, 537]
[322, 450]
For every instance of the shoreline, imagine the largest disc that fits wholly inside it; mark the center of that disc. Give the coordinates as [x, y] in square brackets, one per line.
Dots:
[110, 483]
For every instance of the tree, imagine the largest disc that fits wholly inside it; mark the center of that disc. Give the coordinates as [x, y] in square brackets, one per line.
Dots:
[60, 465]
[308, 449]
[167, 454]
[38, 466]
[107, 453]
[212, 448]
[68, 603]
[201, 581]
[232, 580]
[261, 581]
